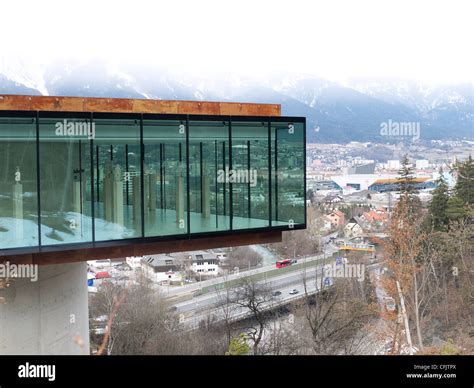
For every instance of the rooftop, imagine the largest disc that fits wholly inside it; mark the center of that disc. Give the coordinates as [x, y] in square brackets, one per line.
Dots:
[128, 105]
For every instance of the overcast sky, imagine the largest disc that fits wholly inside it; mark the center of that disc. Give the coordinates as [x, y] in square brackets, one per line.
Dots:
[425, 40]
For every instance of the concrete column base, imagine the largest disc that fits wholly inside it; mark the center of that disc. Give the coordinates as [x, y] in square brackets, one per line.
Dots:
[49, 316]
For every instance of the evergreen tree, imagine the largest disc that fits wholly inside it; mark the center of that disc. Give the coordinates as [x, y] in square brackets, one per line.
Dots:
[439, 203]
[465, 184]
[406, 178]
[456, 208]
[408, 191]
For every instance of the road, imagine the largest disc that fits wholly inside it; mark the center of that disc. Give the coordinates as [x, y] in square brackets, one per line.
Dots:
[210, 305]
[190, 289]
[202, 307]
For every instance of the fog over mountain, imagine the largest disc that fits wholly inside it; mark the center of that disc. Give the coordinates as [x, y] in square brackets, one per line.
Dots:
[352, 111]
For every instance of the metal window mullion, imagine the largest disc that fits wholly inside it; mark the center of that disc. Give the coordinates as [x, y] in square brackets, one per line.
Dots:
[161, 177]
[249, 192]
[276, 174]
[216, 199]
[201, 171]
[304, 170]
[164, 175]
[80, 180]
[224, 185]
[188, 198]
[128, 173]
[98, 174]
[38, 185]
[231, 187]
[92, 184]
[269, 172]
[142, 177]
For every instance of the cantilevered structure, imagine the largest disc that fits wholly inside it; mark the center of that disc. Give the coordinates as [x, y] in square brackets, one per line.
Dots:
[89, 178]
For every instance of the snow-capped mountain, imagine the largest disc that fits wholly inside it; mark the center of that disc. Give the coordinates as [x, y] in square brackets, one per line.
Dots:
[414, 94]
[24, 74]
[448, 107]
[335, 112]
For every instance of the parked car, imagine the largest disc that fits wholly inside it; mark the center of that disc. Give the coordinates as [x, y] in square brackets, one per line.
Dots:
[276, 293]
[294, 291]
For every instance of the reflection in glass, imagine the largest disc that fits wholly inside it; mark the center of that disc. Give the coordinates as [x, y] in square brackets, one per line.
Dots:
[95, 184]
[165, 177]
[65, 181]
[250, 165]
[18, 189]
[209, 191]
[118, 202]
[288, 178]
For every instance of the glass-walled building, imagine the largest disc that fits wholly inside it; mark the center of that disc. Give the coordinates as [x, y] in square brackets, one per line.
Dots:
[86, 179]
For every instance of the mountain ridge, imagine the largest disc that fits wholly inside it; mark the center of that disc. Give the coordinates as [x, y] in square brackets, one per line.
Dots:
[335, 112]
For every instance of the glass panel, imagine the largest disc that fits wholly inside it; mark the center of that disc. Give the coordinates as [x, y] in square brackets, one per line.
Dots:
[117, 179]
[209, 193]
[18, 183]
[250, 175]
[216, 191]
[165, 177]
[288, 196]
[65, 181]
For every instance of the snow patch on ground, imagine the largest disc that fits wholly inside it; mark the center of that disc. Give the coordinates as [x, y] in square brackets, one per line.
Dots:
[24, 233]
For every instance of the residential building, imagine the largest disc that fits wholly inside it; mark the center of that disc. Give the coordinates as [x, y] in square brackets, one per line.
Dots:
[354, 228]
[336, 219]
[205, 264]
[159, 268]
[422, 164]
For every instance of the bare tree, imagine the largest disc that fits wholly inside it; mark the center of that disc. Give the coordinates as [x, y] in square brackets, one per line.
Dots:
[254, 297]
[335, 315]
[134, 321]
[410, 263]
[305, 242]
[226, 306]
[142, 323]
[281, 337]
[243, 258]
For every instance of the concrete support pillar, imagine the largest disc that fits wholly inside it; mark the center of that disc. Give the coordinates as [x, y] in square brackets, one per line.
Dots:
[146, 196]
[205, 192]
[179, 199]
[136, 200]
[152, 191]
[76, 203]
[47, 316]
[206, 197]
[108, 192]
[18, 210]
[118, 197]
